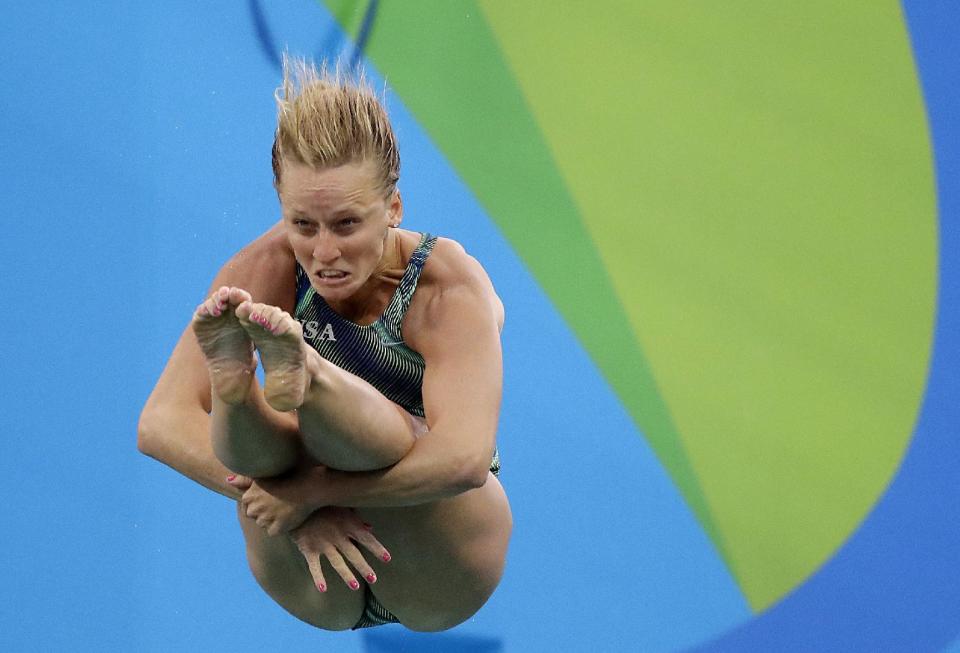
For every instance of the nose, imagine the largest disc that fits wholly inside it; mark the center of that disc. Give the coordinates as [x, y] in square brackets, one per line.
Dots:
[325, 248]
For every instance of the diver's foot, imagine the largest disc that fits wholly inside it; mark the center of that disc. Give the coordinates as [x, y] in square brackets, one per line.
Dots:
[226, 346]
[279, 339]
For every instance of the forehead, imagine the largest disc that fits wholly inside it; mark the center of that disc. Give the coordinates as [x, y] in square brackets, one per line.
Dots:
[303, 187]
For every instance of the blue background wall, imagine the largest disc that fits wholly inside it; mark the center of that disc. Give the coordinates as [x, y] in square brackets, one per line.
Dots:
[136, 151]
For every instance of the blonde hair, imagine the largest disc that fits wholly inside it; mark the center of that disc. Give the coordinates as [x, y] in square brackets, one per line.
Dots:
[327, 118]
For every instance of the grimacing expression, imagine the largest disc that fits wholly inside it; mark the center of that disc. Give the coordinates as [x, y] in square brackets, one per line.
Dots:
[336, 220]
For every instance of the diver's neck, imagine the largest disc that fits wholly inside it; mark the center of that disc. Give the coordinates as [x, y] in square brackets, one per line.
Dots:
[372, 297]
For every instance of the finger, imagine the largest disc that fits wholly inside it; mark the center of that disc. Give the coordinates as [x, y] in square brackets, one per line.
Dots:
[240, 482]
[355, 558]
[372, 544]
[366, 525]
[340, 566]
[313, 562]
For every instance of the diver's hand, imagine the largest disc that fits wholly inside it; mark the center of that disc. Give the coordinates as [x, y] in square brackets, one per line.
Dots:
[334, 533]
[275, 511]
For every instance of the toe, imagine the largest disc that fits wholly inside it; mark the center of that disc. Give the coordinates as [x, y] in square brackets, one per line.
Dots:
[238, 295]
[243, 310]
[210, 307]
[260, 314]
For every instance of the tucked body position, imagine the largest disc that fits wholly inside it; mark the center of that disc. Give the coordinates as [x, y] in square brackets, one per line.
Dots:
[365, 466]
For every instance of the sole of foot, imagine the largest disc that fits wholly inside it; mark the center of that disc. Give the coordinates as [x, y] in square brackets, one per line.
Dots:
[279, 339]
[227, 348]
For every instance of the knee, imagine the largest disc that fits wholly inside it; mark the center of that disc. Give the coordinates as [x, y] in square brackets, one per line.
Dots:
[432, 625]
[435, 622]
[446, 612]
[304, 603]
[331, 620]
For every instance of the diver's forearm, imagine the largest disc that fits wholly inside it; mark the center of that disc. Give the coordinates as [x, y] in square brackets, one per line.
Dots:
[429, 472]
[182, 442]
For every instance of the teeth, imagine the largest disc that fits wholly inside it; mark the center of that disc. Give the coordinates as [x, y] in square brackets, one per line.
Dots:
[332, 273]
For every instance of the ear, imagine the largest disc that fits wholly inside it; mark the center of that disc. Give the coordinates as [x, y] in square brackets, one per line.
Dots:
[395, 209]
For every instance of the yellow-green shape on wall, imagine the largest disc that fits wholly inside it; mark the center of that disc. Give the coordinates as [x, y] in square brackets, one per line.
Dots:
[758, 180]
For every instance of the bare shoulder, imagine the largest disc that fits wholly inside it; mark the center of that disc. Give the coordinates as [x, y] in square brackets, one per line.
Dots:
[451, 278]
[266, 268]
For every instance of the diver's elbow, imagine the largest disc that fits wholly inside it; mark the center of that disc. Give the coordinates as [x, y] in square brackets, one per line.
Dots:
[474, 473]
[147, 433]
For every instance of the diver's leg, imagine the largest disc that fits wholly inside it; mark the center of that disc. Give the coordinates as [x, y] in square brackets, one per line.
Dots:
[447, 557]
[282, 572]
[345, 422]
[249, 437]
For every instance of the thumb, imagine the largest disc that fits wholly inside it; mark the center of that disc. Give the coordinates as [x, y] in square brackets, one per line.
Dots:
[239, 482]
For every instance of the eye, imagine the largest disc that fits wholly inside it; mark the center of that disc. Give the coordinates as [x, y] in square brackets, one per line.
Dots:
[348, 222]
[301, 225]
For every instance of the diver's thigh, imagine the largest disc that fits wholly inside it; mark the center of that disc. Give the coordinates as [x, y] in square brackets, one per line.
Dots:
[447, 556]
[281, 571]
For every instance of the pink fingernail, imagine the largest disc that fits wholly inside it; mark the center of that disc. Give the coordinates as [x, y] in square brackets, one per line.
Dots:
[321, 587]
[386, 556]
[231, 477]
[371, 578]
[354, 585]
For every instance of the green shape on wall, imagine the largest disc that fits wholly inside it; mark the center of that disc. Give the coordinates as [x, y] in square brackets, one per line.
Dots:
[733, 209]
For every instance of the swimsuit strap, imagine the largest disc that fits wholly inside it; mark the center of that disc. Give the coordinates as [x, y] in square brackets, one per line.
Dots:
[393, 317]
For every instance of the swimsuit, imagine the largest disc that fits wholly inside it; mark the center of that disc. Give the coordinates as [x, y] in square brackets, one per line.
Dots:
[377, 354]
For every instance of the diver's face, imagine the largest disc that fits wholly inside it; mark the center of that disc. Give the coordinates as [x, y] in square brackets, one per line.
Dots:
[336, 220]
